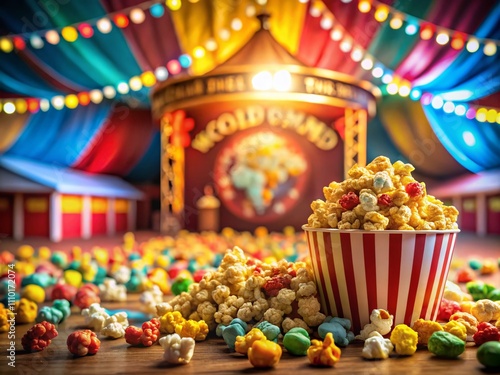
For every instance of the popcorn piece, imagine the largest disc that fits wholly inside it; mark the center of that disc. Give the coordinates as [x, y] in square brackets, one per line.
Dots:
[296, 341]
[264, 353]
[486, 332]
[191, 328]
[468, 320]
[95, 315]
[26, 311]
[236, 328]
[404, 339]
[377, 347]
[82, 343]
[177, 350]
[457, 329]
[444, 344]
[150, 299]
[486, 310]
[110, 291]
[339, 328]
[114, 326]
[39, 337]
[381, 322]
[243, 343]
[425, 329]
[324, 353]
[5, 315]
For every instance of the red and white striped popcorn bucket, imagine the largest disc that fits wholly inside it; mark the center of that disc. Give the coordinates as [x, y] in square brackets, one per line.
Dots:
[403, 272]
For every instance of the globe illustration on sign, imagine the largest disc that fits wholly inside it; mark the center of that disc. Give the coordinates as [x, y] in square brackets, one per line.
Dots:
[260, 174]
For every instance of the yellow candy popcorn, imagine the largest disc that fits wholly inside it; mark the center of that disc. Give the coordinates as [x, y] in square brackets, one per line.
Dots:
[404, 339]
[264, 353]
[324, 353]
[243, 343]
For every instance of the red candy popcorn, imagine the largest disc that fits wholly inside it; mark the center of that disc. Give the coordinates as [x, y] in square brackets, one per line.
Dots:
[63, 291]
[82, 343]
[384, 200]
[414, 189]
[147, 335]
[273, 286]
[486, 332]
[446, 309]
[349, 200]
[39, 337]
[465, 275]
[86, 296]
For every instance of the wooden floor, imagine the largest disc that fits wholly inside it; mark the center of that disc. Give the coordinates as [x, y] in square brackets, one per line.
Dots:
[213, 357]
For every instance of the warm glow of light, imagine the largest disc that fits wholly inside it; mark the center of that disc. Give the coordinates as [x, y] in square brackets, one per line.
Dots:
[364, 6]
[96, 96]
[104, 25]
[33, 105]
[356, 54]
[387, 78]
[437, 102]
[6, 45]
[137, 16]
[9, 108]
[83, 98]
[316, 9]
[211, 44]
[36, 42]
[442, 38]
[236, 24]
[460, 110]
[135, 83]
[367, 63]
[121, 20]
[123, 88]
[346, 45]
[148, 79]
[69, 34]
[21, 106]
[44, 105]
[396, 22]
[426, 32]
[326, 22]
[109, 92]
[173, 4]
[404, 90]
[71, 101]
[490, 48]
[185, 61]
[52, 37]
[449, 107]
[377, 72]
[19, 43]
[426, 98]
[161, 73]
[491, 116]
[85, 30]
[198, 52]
[392, 88]
[282, 80]
[472, 45]
[471, 113]
[381, 13]
[57, 102]
[174, 67]
[224, 34]
[262, 81]
[457, 42]
[250, 10]
[415, 94]
[336, 34]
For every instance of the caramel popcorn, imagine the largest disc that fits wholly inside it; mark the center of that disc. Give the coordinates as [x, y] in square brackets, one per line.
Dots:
[381, 196]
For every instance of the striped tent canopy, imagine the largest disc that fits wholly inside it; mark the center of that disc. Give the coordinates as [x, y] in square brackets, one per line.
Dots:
[76, 76]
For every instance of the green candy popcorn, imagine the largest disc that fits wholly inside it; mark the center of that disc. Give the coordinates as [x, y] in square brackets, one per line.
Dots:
[444, 344]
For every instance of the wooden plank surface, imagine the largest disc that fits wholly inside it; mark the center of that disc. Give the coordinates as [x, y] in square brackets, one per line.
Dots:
[211, 356]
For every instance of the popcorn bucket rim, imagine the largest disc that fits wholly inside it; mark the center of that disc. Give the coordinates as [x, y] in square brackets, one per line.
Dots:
[389, 231]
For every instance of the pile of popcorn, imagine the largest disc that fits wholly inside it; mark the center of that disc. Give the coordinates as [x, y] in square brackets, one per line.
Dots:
[381, 196]
[282, 293]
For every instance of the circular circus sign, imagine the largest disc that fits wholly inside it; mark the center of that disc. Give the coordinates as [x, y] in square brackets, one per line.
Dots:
[260, 174]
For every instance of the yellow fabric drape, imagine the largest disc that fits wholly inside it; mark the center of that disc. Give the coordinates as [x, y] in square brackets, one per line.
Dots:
[196, 23]
[409, 129]
[11, 126]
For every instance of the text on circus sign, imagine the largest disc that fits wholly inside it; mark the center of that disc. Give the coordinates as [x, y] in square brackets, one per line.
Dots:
[227, 123]
[240, 83]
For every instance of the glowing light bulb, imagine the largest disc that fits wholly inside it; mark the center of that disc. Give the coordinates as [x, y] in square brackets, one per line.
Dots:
[442, 38]
[161, 73]
[415, 94]
[135, 83]
[71, 101]
[404, 90]
[396, 22]
[157, 10]
[426, 32]
[174, 67]
[326, 22]
[148, 79]
[6, 45]
[381, 13]
[85, 30]
[367, 63]
[426, 98]
[387, 78]
[21, 106]
[224, 34]
[109, 92]
[185, 61]
[236, 24]
[392, 88]
[83, 98]
[52, 37]
[491, 115]
[411, 29]
[437, 102]
[457, 42]
[123, 88]
[448, 107]
[198, 52]
[69, 34]
[356, 54]
[173, 4]
[345, 45]
[460, 110]
[104, 25]
[469, 138]
[137, 16]
[490, 48]
[211, 45]
[262, 81]
[96, 96]
[9, 108]
[472, 45]
[377, 72]
[44, 105]
[36, 42]
[282, 80]
[364, 6]
[121, 20]
[336, 34]
[57, 102]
